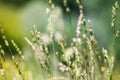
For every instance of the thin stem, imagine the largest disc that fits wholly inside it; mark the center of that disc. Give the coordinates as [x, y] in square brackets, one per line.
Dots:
[53, 47]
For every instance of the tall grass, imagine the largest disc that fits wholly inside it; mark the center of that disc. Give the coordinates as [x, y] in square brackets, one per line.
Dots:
[57, 61]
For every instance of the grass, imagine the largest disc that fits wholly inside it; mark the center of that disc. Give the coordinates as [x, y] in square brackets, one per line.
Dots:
[56, 59]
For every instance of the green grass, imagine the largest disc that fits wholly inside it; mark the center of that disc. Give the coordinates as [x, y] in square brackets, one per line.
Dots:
[52, 56]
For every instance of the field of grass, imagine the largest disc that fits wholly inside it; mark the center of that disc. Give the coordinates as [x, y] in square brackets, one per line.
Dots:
[66, 49]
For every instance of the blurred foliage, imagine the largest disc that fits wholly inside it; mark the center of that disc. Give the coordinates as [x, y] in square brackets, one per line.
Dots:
[34, 13]
[9, 19]
[18, 16]
[15, 2]
[31, 12]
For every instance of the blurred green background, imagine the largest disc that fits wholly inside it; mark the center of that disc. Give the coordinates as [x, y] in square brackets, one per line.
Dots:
[18, 17]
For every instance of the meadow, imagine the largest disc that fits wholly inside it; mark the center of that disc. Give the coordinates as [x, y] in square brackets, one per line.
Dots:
[61, 50]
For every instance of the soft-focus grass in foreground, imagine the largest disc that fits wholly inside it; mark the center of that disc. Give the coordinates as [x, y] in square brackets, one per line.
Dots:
[56, 59]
